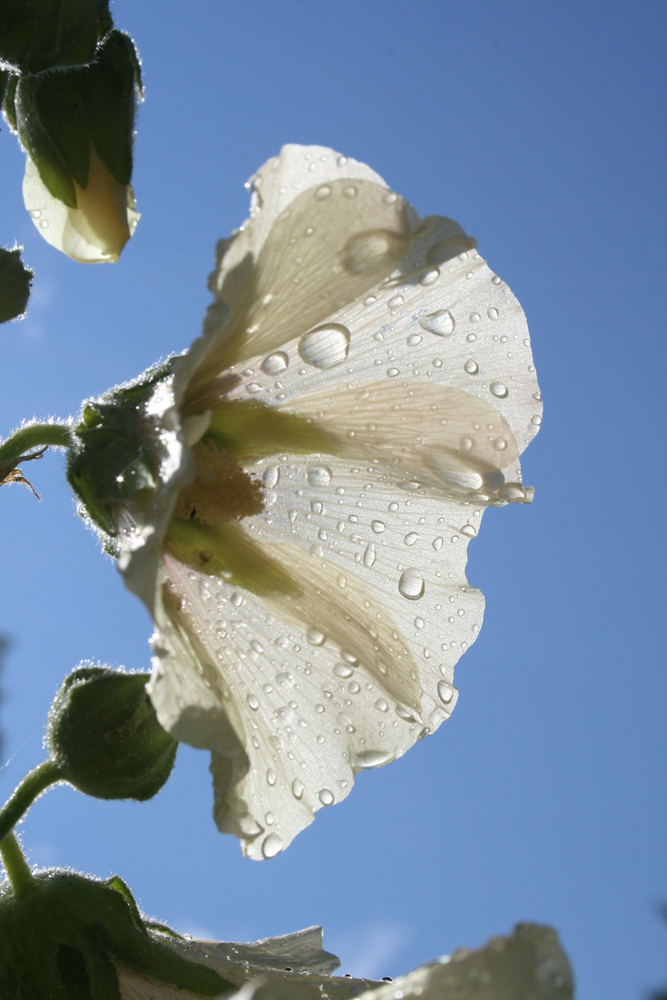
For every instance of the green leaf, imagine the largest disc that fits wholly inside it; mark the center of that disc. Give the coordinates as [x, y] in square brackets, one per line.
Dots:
[40, 146]
[36, 35]
[109, 103]
[15, 281]
[58, 101]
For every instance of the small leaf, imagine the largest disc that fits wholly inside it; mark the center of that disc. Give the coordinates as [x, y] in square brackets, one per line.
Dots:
[15, 281]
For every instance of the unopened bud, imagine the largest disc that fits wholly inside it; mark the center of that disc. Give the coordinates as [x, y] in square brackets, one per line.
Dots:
[103, 733]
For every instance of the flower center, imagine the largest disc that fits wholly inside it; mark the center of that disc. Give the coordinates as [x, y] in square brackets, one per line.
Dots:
[221, 490]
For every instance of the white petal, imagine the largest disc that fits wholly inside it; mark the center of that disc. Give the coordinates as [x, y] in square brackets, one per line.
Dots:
[96, 231]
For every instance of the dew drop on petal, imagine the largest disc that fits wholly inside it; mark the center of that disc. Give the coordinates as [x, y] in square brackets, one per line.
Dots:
[396, 301]
[271, 776]
[441, 322]
[271, 476]
[429, 277]
[297, 788]
[315, 637]
[492, 313]
[369, 555]
[413, 340]
[326, 346]
[499, 389]
[341, 670]
[326, 797]
[371, 249]
[411, 584]
[272, 845]
[275, 363]
[323, 193]
[500, 443]
[378, 527]
[471, 366]
[253, 702]
[468, 530]
[350, 191]
[381, 705]
[445, 692]
[366, 760]
[318, 475]
[411, 538]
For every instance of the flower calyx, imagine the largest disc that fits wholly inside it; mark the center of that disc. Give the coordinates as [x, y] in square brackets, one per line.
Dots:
[104, 737]
[68, 936]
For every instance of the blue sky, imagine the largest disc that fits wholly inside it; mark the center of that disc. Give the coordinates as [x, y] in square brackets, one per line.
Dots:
[541, 129]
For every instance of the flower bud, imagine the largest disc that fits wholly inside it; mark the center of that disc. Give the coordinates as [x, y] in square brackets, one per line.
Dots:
[77, 129]
[103, 734]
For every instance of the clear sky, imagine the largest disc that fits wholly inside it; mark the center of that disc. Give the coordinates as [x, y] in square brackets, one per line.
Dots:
[540, 127]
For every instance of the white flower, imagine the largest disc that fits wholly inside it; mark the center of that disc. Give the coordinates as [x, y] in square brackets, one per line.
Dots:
[528, 963]
[102, 222]
[323, 455]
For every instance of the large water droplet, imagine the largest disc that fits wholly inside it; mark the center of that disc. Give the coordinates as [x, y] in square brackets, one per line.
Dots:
[378, 527]
[271, 476]
[275, 363]
[468, 530]
[499, 389]
[368, 759]
[297, 788]
[441, 322]
[471, 366]
[315, 637]
[374, 248]
[341, 670]
[411, 584]
[326, 797]
[445, 692]
[318, 475]
[326, 346]
[381, 705]
[272, 845]
[369, 555]
[411, 538]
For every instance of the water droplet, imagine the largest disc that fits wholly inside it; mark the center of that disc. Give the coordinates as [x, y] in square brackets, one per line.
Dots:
[396, 301]
[374, 248]
[349, 658]
[411, 584]
[354, 687]
[368, 759]
[297, 788]
[271, 776]
[392, 372]
[237, 600]
[437, 544]
[323, 193]
[318, 475]
[326, 797]
[271, 476]
[492, 313]
[369, 555]
[496, 280]
[445, 692]
[44, 224]
[370, 300]
[326, 346]
[271, 846]
[441, 322]
[468, 530]
[390, 198]
[35, 212]
[413, 340]
[499, 389]
[341, 670]
[536, 420]
[378, 527]
[381, 705]
[275, 363]
[467, 443]
[269, 819]
[350, 192]
[253, 702]
[341, 161]
[471, 366]
[429, 277]
[419, 622]
[500, 444]
[411, 538]
[315, 638]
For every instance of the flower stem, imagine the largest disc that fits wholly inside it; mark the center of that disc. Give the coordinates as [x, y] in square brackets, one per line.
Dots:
[23, 796]
[21, 441]
[15, 865]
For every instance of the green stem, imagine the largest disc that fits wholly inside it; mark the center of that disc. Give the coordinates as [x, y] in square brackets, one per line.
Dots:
[16, 866]
[34, 436]
[23, 796]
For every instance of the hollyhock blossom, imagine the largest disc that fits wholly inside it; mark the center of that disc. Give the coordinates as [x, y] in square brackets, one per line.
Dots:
[528, 963]
[294, 496]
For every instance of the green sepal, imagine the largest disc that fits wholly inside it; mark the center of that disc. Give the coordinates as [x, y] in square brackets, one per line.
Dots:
[15, 279]
[36, 35]
[103, 734]
[63, 940]
[244, 427]
[110, 461]
[9, 102]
